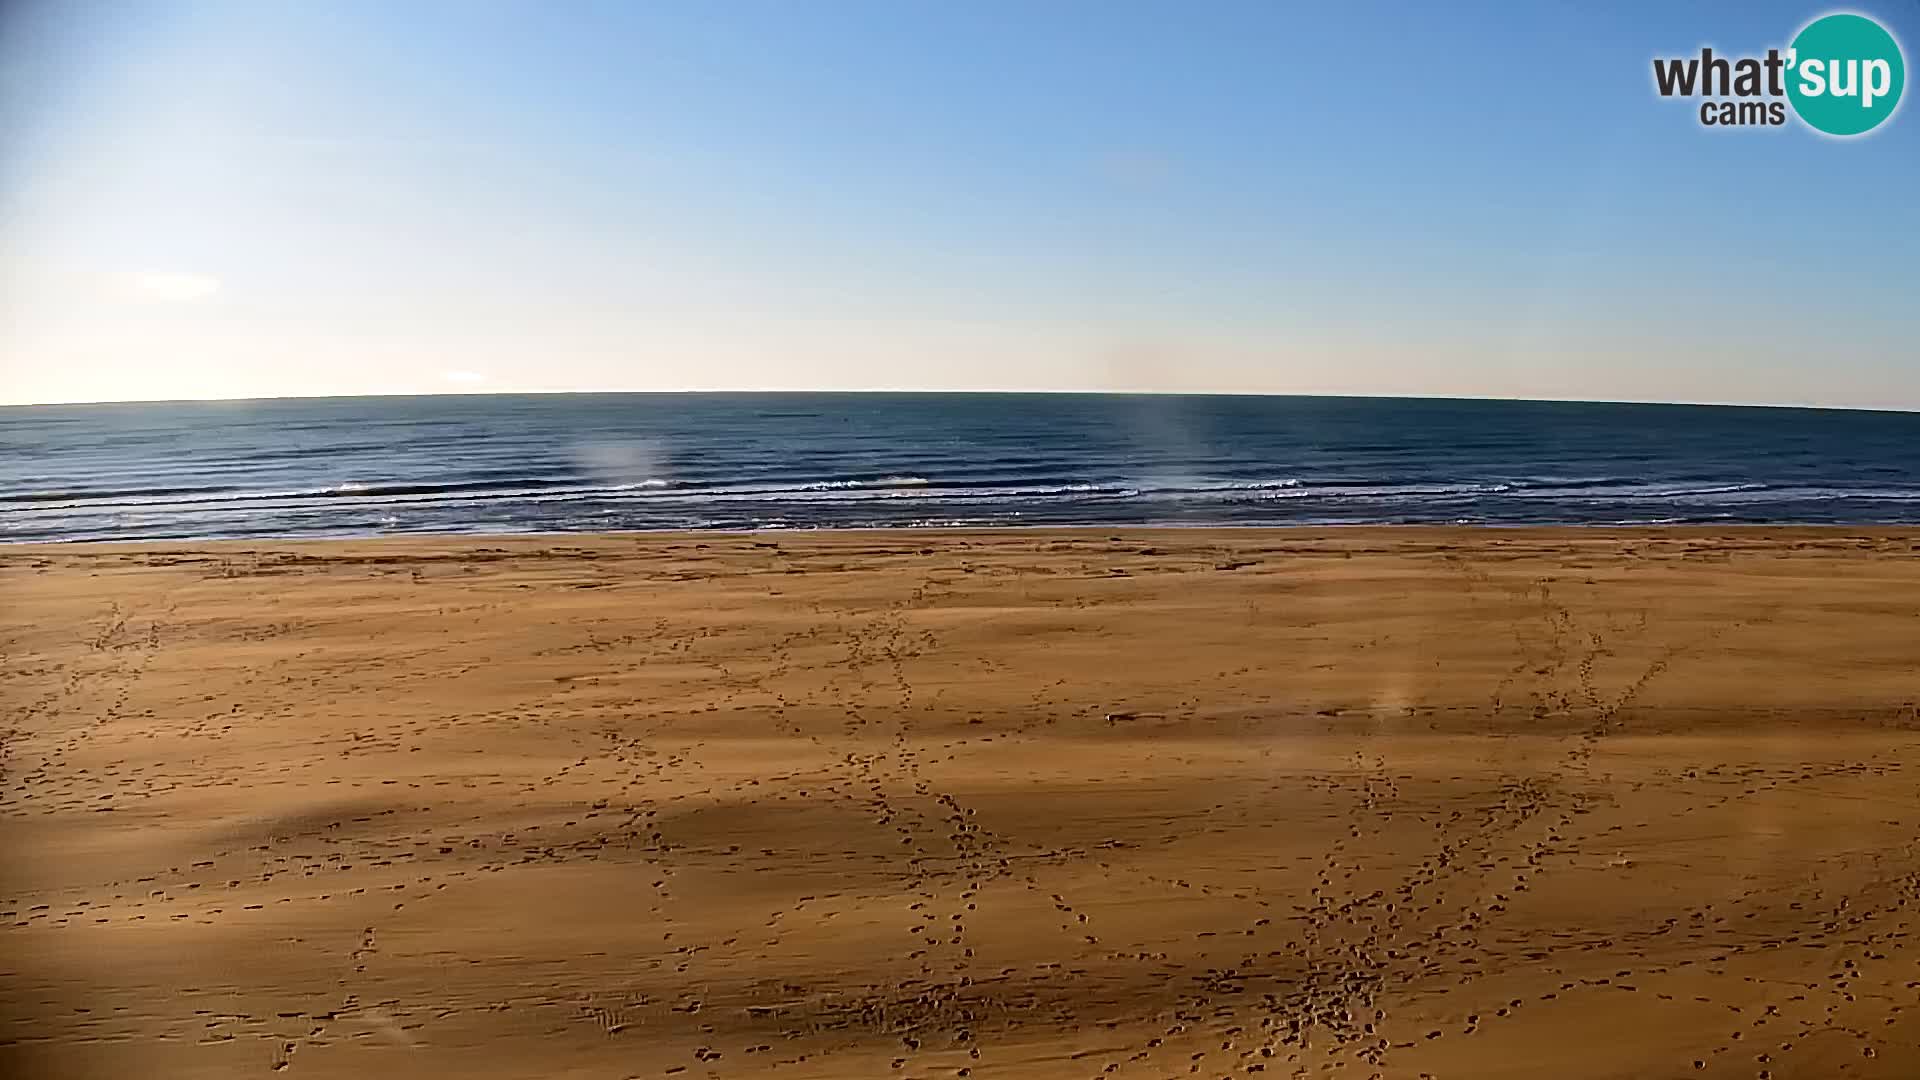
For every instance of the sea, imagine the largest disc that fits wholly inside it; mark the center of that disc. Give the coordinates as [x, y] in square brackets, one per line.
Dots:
[490, 464]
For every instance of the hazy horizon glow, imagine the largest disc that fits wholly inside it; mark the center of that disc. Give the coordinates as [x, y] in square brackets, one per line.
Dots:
[229, 200]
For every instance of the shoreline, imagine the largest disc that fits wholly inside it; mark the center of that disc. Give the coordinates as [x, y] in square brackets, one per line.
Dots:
[1681, 531]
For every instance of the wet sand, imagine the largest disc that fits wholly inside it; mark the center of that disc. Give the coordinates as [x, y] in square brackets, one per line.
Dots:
[1378, 802]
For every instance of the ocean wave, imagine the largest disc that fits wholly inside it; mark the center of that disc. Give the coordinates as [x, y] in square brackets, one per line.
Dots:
[82, 494]
[882, 482]
[912, 488]
[1718, 489]
[1200, 485]
[903, 486]
[1830, 494]
[1308, 490]
[106, 499]
[498, 498]
[1731, 493]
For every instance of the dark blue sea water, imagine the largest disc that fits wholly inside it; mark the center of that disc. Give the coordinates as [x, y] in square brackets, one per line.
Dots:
[499, 464]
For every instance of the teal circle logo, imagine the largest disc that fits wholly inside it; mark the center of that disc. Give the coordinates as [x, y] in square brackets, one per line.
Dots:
[1845, 74]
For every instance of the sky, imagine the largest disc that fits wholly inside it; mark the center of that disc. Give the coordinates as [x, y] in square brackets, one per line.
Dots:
[267, 198]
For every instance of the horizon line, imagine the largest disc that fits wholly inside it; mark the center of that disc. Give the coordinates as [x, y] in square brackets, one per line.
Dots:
[1051, 392]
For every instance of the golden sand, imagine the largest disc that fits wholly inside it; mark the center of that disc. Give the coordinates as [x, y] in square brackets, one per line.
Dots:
[1380, 802]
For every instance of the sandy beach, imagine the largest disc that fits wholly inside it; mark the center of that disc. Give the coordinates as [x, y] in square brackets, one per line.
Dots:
[1362, 803]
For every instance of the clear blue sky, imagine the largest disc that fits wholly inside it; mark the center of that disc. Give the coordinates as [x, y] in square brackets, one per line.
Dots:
[261, 198]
